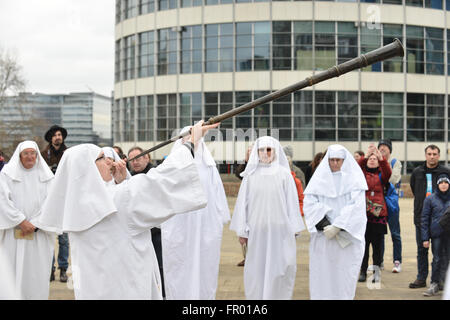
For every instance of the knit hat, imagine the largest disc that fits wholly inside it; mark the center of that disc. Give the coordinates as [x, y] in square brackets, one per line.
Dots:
[443, 177]
[386, 142]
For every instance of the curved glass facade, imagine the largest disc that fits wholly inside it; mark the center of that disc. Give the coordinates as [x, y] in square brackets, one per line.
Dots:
[158, 63]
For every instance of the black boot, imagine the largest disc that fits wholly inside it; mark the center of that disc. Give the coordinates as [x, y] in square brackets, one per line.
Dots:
[63, 275]
[52, 275]
[362, 277]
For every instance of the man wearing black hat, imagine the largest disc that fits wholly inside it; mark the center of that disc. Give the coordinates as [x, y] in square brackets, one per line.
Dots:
[385, 147]
[52, 154]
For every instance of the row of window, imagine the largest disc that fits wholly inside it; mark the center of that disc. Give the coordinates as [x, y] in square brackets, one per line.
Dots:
[277, 45]
[126, 9]
[300, 116]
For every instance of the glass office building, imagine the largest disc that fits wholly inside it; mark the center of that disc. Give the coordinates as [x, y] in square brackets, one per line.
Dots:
[178, 61]
[85, 115]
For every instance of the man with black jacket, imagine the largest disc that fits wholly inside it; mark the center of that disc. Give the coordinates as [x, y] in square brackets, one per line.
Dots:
[52, 154]
[143, 165]
[423, 183]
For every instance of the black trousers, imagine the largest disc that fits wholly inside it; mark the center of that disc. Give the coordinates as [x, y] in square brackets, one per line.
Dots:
[376, 240]
[156, 240]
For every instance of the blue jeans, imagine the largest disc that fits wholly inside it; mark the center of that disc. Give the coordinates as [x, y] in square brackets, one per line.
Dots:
[63, 254]
[394, 228]
[437, 275]
[422, 257]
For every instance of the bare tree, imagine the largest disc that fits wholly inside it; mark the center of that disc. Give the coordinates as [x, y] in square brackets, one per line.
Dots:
[16, 124]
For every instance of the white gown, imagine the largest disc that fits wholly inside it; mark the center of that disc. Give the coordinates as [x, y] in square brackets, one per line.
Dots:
[191, 243]
[333, 269]
[30, 261]
[115, 258]
[267, 212]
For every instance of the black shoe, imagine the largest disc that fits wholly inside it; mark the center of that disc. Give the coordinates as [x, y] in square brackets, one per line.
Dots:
[441, 286]
[418, 284]
[362, 277]
[63, 276]
[241, 264]
[52, 275]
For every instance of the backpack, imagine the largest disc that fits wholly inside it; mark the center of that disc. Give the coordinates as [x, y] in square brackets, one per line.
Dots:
[391, 198]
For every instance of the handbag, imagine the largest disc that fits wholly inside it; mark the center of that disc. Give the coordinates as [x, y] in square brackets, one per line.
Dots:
[373, 207]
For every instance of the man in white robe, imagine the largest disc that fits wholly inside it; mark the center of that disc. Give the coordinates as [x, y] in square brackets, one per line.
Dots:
[191, 242]
[267, 216]
[109, 224]
[335, 214]
[26, 251]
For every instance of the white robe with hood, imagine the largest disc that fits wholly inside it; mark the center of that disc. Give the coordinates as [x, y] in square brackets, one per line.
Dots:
[109, 225]
[191, 242]
[267, 212]
[333, 270]
[22, 193]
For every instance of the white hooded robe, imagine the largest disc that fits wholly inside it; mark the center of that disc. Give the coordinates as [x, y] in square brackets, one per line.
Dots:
[109, 225]
[267, 212]
[191, 242]
[333, 270]
[22, 193]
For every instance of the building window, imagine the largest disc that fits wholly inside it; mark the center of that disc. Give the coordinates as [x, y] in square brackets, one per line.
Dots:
[371, 116]
[117, 70]
[282, 44]
[435, 114]
[190, 108]
[347, 116]
[347, 37]
[167, 4]
[128, 119]
[244, 46]
[393, 116]
[146, 6]
[371, 40]
[212, 48]
[146, 54]
[166, 116]
[390, 32]
[145, 118]
[261, 112]
[434, 45]
[325, 45]
[128, 58]
[243, 120]
[303, 115]
[414, 49]
[303, 38]
[167, 52]
[415, 116]
[282, 117]
[325, 115]
[191, 49]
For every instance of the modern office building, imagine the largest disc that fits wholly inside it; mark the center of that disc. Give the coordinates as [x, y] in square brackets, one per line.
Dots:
[85, 115]
[178, 61]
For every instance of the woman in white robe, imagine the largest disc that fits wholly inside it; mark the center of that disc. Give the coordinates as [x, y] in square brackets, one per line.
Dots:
[109, 224]
[267, 213]
[191, 242]
[339, 196]
[22, 193]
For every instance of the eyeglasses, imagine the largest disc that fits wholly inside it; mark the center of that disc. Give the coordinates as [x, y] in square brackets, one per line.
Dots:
[100, 158]
[265, 149]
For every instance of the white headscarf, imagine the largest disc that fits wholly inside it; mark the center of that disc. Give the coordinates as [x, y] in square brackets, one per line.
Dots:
[352, 176]
[201, 152]
[111, 153]
[78, 197]
[15, 170]
[278, 153]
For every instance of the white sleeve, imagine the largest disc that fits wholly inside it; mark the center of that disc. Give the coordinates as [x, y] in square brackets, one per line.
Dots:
[396, 172]
[314, 211]
[171, 188]
[292, 204]
[221, 198]
[10, 216]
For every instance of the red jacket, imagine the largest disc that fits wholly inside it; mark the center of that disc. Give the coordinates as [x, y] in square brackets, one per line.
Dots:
[301, 196]
[375, 193]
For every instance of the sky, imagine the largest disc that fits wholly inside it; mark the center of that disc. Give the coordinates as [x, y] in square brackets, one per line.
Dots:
[62, 45]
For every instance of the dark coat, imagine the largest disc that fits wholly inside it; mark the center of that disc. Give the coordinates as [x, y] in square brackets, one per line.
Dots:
[433, 209]
[146, 169]
[418, 185]
[53, 156]
[375, 191]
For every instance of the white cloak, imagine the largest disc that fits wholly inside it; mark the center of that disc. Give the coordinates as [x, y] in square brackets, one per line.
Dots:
[191, 244]
[267, 212]
[22, 193]
[114, 258]
[333, 270]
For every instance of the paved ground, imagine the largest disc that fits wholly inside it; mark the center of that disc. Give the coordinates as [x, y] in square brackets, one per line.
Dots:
[393, 286]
